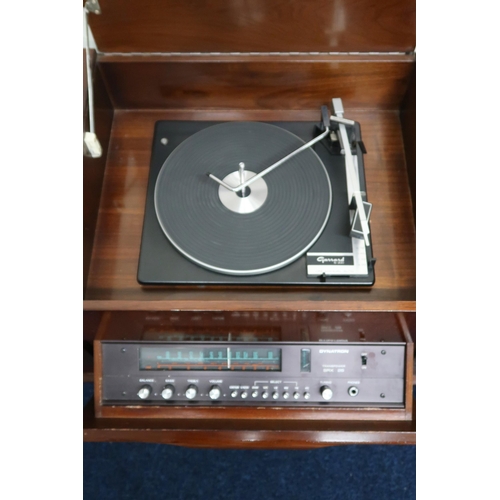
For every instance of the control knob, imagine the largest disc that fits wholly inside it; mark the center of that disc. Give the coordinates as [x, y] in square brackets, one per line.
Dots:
[145, 391]
[168, 392]
[214, 392]
[326, 393]
[191, 391]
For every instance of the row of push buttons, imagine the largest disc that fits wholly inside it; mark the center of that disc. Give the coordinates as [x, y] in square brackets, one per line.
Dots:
[265, 394]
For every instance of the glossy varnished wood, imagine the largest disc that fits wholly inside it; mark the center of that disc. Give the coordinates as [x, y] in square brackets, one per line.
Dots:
[245, 86]
[255, 26]
[93, 168]
[409, 129]
[248, 433]
[256, 82]
[112, 279]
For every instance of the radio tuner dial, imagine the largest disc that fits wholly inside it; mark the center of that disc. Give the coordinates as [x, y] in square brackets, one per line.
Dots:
[326, 393]
[191, 391]
[145, 391]
[168, 392]
[214, 392]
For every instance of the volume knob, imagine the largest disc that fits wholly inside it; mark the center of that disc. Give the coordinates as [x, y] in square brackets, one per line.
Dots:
[326, 393]
[144, 391]
[191, 392]
[214, 392]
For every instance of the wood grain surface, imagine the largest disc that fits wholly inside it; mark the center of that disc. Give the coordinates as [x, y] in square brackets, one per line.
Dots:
[246, 82]
[248, 434]
[255, 26]
[256, 82]
[409, 129]
[112, 275]
[93, 168]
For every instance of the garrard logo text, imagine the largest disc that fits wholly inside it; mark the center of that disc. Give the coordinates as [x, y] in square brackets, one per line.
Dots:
[332, 260]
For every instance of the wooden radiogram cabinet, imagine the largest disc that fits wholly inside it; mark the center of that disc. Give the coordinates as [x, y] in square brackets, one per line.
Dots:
[265, 60]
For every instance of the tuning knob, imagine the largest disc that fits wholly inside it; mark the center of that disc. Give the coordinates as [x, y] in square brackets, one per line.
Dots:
[191, 392]
[145, 391]
[214, 392]
[326, 393]
[168, 392]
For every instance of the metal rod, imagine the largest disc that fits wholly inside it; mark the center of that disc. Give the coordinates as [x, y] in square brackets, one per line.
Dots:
[89, 74]
[242, 172]
[272, 167]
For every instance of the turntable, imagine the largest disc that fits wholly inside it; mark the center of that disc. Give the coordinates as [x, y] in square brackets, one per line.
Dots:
[257, 203]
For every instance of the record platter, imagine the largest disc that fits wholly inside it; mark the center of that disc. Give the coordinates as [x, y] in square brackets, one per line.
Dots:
[257, 203]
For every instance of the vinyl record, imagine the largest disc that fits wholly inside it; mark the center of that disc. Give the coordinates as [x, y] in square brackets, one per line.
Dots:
[283, 215]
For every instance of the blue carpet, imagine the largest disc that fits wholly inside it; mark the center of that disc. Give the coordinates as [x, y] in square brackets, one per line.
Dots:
[139, 471]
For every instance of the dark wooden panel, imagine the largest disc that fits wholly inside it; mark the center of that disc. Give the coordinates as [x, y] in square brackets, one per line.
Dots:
[93, 168]
[88, 364]
[243, 299]
[255, 26]
[91, 322]
[232, 414]
[258, 82]
[248, 434]
[409, 128]
[113, 270]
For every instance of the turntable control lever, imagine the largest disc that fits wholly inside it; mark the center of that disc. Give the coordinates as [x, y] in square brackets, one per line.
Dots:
[264, 172]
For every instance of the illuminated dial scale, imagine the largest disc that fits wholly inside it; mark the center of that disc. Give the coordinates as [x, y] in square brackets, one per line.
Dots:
[270, 373]
[210, 358]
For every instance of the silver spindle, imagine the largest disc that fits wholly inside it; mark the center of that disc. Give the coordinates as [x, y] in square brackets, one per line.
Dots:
[241, 171]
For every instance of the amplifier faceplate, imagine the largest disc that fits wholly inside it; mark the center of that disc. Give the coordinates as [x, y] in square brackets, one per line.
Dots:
[258, 373]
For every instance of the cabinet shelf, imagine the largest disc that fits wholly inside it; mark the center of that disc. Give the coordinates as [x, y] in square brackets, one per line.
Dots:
[291, 434]
[112, 283]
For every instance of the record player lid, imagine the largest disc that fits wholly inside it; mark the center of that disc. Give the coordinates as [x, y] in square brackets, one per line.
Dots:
[165, 26]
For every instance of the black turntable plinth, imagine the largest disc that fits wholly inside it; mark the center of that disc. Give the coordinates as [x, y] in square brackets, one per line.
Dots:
[292, 225]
